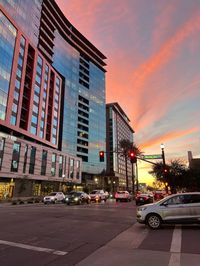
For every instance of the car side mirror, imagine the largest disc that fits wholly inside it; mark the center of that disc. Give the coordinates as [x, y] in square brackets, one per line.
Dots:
[165, 204]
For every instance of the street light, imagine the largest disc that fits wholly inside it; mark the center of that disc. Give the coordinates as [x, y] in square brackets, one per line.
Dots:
[162, 146]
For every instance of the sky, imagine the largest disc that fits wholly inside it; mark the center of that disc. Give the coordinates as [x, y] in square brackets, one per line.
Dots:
[153, 68]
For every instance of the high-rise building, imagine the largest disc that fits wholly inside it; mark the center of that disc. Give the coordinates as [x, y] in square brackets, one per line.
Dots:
[52, 99]
[117, 128]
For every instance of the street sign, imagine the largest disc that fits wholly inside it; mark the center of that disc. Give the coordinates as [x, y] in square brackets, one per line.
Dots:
[152, 157]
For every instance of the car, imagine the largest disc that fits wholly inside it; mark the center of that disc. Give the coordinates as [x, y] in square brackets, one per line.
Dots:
[159, 194]
[98, 195]
[77, 197]
[143, 198]
[177, 208]
[122, 196]
[54, 197]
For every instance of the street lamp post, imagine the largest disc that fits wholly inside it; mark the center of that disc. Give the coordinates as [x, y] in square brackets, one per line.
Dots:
[162, 146]
[133, 180]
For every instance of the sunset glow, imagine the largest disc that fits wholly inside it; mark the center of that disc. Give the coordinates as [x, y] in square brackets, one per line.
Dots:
[153, 67]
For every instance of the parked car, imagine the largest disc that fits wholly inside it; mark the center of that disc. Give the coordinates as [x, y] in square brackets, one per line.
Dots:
[159, 194]
[143, 198]
[98, 195]
[54, 197]
[123, 196]
[176, 208]
[77, 197]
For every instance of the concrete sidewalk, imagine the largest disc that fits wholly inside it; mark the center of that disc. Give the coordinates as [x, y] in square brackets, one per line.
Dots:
[123, 251]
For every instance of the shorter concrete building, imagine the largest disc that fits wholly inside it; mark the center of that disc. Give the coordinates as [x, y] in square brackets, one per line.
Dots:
[117, 129]
[194, 163]
[31, 169]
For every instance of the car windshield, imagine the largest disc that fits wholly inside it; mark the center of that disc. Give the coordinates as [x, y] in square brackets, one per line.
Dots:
[94, 192]
[75, 193]
[121, 192]
[52, 194]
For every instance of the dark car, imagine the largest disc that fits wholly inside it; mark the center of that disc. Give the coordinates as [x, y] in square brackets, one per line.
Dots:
[77, 197]
[141, 199]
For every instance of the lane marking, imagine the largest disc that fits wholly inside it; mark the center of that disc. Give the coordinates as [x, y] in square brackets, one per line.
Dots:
[29, 247]
[176, 240]
[175, 249]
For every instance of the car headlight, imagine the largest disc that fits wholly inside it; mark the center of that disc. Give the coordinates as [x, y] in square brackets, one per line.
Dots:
[76, 199]
[143, 208]
[66, 199]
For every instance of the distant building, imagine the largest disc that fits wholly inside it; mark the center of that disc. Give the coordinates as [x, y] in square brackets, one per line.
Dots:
[52, 100]
[117, 129]
[194, 163]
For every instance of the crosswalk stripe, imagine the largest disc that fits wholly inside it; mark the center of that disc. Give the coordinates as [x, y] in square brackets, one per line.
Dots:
[176, 247]
[30, 247]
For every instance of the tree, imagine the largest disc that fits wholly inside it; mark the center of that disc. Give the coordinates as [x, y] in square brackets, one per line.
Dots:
[175, 174]
[126, 146]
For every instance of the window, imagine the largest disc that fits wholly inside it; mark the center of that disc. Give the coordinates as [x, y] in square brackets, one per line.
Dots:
[25, 158]
[77, 169]
[44, 162]
[53, 164]
[60, 165]
[2, 144]
[15, 157]
[32, 160]
[71, 168]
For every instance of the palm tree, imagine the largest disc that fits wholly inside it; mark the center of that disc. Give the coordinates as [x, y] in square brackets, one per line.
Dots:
[174, 175]
[126, 146]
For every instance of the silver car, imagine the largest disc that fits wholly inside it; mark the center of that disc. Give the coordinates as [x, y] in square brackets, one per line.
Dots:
[177, 208]
[54, 197]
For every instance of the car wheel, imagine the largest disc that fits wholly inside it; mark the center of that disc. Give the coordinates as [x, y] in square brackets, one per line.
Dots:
[154, 221]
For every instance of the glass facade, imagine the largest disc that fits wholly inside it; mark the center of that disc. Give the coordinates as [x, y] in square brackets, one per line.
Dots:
[13, 118]
[83, 134]
[37, 88]
[7, 45]
[26, 14]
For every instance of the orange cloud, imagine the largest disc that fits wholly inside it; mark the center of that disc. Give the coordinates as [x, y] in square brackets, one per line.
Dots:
[168, 136]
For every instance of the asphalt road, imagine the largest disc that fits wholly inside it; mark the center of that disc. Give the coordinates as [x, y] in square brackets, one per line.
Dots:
[91, 235]
[37, 234]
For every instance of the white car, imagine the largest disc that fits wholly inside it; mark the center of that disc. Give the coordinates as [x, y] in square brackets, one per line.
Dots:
[54, 197]
[122, 196]
[98, 195]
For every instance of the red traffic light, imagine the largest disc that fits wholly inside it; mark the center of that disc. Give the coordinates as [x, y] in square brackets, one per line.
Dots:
[101, 156]
[133, 157]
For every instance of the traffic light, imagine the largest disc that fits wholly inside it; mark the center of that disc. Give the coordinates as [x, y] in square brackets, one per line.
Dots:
[133, 157]
[165, 171]
[101, 156]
